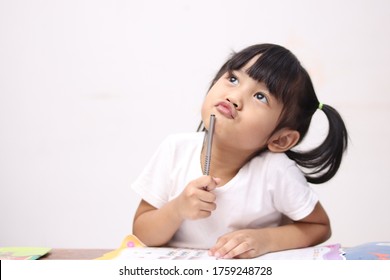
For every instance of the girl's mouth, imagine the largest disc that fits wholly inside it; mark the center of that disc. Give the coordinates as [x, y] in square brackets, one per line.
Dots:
[226, 109]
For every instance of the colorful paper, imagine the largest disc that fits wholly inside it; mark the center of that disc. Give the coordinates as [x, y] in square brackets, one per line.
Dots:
[22, 253]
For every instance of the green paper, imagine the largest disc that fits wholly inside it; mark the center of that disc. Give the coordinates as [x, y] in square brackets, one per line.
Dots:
[22, 253]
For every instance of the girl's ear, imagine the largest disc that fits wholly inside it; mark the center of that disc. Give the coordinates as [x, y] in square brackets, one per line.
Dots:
[283, 140]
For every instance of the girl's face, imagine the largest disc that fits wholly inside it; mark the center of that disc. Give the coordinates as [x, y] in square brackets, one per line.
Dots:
[246, 113]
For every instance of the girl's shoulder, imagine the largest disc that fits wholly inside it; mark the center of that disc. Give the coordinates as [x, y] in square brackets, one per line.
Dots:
[277, 170]
[275, 162]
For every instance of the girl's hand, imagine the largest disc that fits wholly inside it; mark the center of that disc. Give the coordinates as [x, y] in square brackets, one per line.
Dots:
[242, 244]
[249, 243]
[197, 201]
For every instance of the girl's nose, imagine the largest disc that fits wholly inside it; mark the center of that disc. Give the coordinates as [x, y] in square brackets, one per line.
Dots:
[235, 102]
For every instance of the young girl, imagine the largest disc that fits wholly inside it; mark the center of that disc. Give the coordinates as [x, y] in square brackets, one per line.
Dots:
[256, 199]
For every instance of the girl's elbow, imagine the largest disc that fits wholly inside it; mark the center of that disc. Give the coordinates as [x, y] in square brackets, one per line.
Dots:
[324, 234]
[328, 232]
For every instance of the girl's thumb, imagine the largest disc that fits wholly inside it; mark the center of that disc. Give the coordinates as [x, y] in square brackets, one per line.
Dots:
[217, 181]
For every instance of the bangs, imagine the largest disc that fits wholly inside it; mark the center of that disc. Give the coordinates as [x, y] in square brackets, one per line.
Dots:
[276, 67]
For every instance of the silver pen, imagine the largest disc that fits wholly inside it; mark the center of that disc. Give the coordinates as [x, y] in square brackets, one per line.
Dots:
[209, 140]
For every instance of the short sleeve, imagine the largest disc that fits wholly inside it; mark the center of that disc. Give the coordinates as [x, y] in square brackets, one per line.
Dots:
[153, 182]
[293, 196]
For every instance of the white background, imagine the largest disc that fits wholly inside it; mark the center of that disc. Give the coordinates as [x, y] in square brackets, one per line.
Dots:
[88, 89]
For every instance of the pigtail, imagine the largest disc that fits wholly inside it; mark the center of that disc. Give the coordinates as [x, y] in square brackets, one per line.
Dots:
[324, 161]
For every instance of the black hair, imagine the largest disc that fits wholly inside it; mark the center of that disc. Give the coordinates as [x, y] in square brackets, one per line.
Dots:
[291, 85]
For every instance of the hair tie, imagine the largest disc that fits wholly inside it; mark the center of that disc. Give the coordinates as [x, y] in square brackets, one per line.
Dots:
[320, 105]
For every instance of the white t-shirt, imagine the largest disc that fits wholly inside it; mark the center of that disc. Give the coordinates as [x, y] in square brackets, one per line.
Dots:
[266, 187]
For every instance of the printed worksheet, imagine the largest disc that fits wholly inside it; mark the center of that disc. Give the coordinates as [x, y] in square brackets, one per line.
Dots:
[160, 253]
[132, 248]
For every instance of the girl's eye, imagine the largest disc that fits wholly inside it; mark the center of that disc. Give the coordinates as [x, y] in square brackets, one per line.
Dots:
[261, 97]
[232, 79]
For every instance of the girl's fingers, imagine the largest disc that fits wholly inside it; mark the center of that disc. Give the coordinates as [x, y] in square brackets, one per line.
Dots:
[207, 183]
[195, 202]
[239, 244]
[207, 196]
[237, 251]
[207, 206]
[213, 183]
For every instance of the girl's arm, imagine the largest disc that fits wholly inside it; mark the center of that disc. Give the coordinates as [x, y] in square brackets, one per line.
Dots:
[250, 243]
[156, 227]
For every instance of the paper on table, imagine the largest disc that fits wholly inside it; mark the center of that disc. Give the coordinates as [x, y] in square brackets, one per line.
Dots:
[163, 253]
[22, 253]
[328, 252]
[132, 248]
[369, 251]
